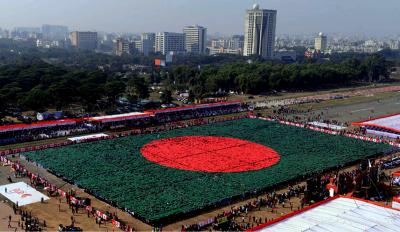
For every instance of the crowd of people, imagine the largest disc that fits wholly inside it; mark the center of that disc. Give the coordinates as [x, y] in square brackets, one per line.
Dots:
[367, 180]
[74, 202]
[86, 126]
[26, 221]
[239, 218]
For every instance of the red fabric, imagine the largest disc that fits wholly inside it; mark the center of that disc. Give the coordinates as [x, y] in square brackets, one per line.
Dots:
[22, 126]
[210, 154]
[396, 173]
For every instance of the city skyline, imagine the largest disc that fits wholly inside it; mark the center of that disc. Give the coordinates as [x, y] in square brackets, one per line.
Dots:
[225, 17]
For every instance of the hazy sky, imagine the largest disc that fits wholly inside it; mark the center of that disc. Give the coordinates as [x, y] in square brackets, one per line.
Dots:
[378, 17]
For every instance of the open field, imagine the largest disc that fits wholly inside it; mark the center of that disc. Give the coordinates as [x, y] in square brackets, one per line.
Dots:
[287, 95]
[354, 108]
[117, 171]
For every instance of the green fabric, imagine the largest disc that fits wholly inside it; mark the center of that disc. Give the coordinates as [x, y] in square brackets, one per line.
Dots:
[115, 169]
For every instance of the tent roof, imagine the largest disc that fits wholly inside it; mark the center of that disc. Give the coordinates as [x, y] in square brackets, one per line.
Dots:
[23, 126]
[191, 107]
[388, 122]
[396, 173]
[119, 117]
[337, 214]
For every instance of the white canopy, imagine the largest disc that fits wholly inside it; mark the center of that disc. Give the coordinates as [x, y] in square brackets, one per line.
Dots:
[86, 137]
[339, 214]
[327, 126]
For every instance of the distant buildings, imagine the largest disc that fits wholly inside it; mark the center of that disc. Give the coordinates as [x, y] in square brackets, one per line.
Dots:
[26, 33]
[167, 42]
[147, 43]
[54, 32]
[124, 47]
[260, 26]
[233, 45]
[321, 42]
[195, 39]
[84, 40]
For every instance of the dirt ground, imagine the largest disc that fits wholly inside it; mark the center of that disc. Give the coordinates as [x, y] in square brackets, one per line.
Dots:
[55, 211]
[54, 216]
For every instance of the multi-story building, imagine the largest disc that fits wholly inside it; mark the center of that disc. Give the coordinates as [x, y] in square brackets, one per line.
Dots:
[260, 26]
[233, 45]
[195, 39]
[236, 42]
[54, 32]
[321, 42]
[84, 40]
[170, 42]
[124, 47]
[148, 41]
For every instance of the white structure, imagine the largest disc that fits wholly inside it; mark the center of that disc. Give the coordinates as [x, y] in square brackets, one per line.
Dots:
[148, 42]
[170, 42]
[339, 214]
[195, 39]
[383, 126]
[321, 42]
[83, 138]
[260, 26]
[21, 193]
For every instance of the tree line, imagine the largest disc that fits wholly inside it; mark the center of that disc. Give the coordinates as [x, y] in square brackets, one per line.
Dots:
[32, 84]
[264, 77]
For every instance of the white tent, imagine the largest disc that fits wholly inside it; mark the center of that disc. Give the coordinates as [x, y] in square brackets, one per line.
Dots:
[21, 193]
[338, 214]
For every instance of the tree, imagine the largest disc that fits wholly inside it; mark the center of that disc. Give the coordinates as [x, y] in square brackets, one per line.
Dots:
[137, 88]
[36, 99]
[376, 67]
[114, 89]
[166, 96]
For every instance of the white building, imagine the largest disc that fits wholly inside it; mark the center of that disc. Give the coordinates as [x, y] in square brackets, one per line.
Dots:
[260, 26]
[321, 42]
[195, 39]
[170, 42]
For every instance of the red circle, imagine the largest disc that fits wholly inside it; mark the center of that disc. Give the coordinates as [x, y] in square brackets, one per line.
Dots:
[210, 154]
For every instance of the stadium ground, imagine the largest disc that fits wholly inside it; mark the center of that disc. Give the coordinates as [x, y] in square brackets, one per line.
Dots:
[159, 194]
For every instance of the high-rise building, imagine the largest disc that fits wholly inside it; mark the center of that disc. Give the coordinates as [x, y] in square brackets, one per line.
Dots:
[170, 42]
[84, 40]
[195, 39]
[260, 26]
[124, 47]
[54, 32]
[321, 42]
[148, 42]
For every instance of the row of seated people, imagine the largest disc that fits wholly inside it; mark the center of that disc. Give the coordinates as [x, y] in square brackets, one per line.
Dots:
[84, 127]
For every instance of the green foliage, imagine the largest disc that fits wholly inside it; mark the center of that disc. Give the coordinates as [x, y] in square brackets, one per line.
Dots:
[40, 86]
[166, 96]
[262, 77]
[137, 88]
[116, 170]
